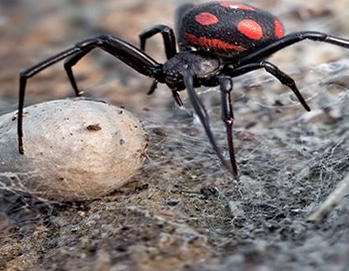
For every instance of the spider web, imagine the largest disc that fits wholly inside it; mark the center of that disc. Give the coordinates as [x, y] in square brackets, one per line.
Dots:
[276, 141]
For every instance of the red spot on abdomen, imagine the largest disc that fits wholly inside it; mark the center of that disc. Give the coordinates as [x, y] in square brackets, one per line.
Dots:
[250, 29]
[279, 29]
[233, 5]
[212, 43]
[206, 18]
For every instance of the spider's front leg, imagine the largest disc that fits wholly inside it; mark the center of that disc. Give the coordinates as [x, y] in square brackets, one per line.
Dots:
[24, 76]
[168, 37]
[120, 49]
[169, 40]
[199, 109]
[68, 66]
[116, 47]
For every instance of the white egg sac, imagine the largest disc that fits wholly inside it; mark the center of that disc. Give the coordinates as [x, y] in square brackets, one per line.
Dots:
[74, 149]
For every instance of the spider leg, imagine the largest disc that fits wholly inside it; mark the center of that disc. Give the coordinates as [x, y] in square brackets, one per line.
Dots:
[153, 86]
[188, 79]
[289, 40]
[23, 77]
[169, 40]
[168, 36]
[122, 50]
[177, 98]
[68, 65]
[226, 85]
[273, 70]
[180, 12]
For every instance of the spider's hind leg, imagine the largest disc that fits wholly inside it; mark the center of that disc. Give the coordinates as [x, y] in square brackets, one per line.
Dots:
[290, 39]
[271, 69]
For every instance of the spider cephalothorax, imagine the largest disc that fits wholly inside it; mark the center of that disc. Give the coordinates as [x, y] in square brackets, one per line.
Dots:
[217, 41]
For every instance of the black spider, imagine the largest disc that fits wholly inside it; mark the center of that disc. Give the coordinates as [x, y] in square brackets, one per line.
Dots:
[217, 41]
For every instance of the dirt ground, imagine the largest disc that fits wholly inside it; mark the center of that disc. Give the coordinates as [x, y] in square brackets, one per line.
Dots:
[182, 210]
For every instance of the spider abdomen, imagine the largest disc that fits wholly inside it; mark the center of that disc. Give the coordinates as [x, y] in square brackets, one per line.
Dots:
[228, 28]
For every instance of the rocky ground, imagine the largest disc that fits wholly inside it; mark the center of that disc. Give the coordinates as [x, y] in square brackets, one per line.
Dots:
[183, 211]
